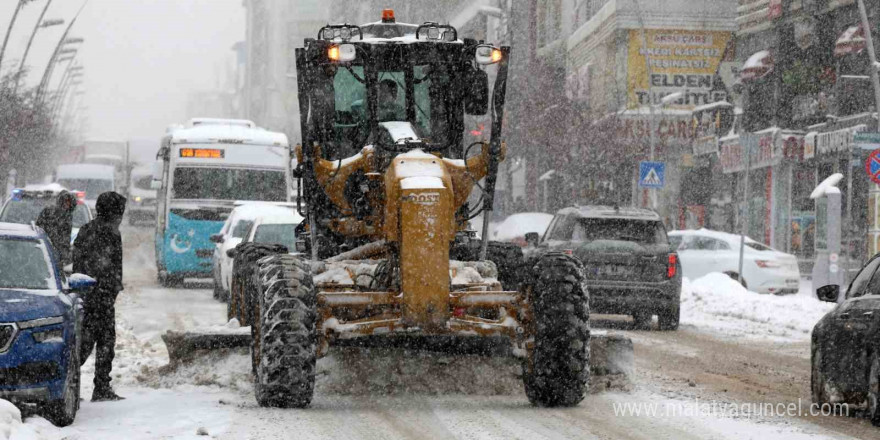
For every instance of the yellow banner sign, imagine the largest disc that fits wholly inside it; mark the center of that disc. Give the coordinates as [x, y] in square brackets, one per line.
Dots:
[680, 61]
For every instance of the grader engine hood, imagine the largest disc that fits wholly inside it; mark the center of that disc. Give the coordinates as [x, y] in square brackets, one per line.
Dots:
[420, 218]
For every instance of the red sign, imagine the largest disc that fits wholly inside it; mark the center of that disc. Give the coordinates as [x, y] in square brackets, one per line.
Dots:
[872, 166]
[775, 9]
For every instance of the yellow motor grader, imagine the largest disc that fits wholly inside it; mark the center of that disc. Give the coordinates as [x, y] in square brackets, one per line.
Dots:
[386, 247]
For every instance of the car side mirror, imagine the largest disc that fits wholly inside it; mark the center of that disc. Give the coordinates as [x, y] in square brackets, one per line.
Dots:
[477, 93]
[80, 283]
[532, 238]
[231, 253]
[217, 238]
[828, 293]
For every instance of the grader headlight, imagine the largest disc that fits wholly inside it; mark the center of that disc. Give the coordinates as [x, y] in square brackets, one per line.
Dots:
[488, 54]
[342, 53]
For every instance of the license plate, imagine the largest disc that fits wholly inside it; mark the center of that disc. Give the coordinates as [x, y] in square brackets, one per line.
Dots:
[614, 270]
[792, 283]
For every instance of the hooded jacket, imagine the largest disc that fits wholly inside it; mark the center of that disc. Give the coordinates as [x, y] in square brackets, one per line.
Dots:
[98, 249]
[57, 221]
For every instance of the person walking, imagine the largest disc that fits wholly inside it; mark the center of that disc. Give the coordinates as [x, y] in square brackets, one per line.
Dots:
[97, 252]
[57, 221]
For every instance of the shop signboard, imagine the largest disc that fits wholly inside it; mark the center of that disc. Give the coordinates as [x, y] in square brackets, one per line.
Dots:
[837, 140]
[680, 61]
[763, 154]
[867, 140]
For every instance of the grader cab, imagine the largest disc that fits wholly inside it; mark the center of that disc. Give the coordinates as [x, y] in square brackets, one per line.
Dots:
[386, 248]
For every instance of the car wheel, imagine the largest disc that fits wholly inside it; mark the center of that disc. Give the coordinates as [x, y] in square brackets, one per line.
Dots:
[817, 378]
[62, 412]
[874, 390]
[668, 319]
[642, 320]
[736, 277]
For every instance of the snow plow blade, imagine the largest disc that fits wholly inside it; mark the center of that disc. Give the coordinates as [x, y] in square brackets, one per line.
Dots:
[183, 346]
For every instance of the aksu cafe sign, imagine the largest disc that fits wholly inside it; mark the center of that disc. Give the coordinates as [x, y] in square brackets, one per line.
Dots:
[680, 61]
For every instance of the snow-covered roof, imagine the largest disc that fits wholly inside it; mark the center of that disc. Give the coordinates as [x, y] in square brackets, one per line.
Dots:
[599, 211]
[203, 134]
[732, 239]
[518, 225]
[46, 187]
[278, 215]
[18, 230]
[712, 106]
[218, 121]
[84, 171]
[254, 210]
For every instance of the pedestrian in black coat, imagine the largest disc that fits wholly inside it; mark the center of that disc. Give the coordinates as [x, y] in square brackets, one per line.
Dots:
[57, 221]
[97, 252]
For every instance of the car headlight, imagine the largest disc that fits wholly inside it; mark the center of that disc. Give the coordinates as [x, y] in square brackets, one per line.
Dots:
[53, 335]
[44, 335]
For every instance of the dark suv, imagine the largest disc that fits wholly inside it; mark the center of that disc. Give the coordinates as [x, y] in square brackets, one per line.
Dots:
[630, 267]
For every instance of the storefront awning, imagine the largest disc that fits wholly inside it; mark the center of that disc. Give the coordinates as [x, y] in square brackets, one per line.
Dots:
[757, 66]
[851, 41]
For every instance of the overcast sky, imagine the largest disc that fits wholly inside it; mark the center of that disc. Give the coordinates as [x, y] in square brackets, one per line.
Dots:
[141, 58]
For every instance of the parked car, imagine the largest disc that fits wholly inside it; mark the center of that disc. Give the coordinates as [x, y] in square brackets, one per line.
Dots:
[515, 227]
[141, 197]
[765, 270]
[25, 205]
[630, 268]
[235, 229]
[40, 322]
[845, 348]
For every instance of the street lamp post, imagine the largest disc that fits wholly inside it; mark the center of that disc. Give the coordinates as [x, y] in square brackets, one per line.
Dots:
[18, 7]
[40, 23]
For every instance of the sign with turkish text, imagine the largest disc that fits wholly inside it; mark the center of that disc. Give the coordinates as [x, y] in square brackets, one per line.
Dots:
[867, 140]
[837, 140]
[733, 153]
[680, 61]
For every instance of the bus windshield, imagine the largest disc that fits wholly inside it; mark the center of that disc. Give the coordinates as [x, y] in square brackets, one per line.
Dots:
[195, 183]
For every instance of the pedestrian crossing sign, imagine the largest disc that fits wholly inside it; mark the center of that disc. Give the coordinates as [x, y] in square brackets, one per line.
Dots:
[652, 174]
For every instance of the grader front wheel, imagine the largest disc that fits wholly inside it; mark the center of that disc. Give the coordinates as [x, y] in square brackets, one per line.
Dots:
[557, 370]
[284, 348]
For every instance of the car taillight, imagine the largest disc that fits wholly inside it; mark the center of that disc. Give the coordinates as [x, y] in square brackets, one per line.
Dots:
[767, 264]
[671, 267]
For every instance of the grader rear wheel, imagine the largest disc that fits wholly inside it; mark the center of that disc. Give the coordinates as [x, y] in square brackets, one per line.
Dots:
[557, 370]
[284, 348]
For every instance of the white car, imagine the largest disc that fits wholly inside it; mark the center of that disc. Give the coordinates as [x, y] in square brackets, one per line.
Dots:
[141, 197]
[276, 226]
[237, 227]
[765, 269]
[515, 227]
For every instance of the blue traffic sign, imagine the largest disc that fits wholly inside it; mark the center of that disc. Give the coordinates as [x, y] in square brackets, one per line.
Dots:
[652, 174]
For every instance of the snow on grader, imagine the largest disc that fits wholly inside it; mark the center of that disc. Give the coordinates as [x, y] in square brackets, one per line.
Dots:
[386, 248]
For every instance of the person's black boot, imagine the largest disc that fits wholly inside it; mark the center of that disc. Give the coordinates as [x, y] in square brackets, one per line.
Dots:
[105, 395]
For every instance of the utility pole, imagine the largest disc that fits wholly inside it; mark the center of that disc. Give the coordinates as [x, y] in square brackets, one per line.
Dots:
[749, 140]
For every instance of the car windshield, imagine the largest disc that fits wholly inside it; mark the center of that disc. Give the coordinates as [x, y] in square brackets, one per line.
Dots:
[92, 187]
[24, 265]
[142, 182]
[241, 228]
[586, 230]
[229, 184]
[282, 234]
[28, 210]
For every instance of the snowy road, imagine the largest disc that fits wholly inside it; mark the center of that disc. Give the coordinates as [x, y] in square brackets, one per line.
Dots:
[690, 384]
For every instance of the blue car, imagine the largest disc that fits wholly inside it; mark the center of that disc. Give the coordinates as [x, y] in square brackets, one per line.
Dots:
[40, 322]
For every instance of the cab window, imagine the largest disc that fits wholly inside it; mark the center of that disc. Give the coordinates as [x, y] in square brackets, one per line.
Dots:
[859, 285]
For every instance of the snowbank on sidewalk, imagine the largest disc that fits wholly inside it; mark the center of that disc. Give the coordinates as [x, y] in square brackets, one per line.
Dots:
[718, 303]
[11, 426]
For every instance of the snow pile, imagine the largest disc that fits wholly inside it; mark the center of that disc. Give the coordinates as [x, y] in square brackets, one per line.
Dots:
[393, 371]
[719, 303]
[11, 427]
